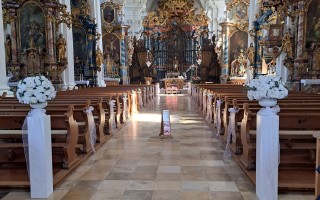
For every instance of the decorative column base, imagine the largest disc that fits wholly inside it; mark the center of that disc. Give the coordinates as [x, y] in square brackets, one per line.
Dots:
[267, 154]
[40, 155]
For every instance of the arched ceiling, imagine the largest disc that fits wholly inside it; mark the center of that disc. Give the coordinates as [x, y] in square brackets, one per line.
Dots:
[151, 5]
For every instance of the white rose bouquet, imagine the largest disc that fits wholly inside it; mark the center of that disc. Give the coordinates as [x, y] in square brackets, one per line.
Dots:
[34, 90]
[266, 87]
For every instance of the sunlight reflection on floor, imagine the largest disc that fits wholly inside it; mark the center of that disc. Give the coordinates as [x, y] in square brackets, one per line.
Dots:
[145, 117]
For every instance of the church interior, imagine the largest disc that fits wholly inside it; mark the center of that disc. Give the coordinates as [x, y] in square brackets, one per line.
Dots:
[117, 65]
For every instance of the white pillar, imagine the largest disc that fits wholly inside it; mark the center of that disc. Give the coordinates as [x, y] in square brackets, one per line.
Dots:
[267, 154]
[96, 14]
[40, 154]
[3, 72]
[68, 74]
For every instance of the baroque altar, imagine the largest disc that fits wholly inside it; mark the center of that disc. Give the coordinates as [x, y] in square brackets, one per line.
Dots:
[32, 37]
[175, 39]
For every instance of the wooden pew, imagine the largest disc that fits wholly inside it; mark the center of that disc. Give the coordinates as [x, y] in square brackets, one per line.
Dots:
[64, 132]
[297, 145]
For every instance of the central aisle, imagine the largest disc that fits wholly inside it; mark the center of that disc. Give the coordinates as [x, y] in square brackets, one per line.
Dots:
[137, 165]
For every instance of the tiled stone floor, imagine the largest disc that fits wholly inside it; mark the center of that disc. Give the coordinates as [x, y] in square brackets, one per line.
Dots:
[137, 165]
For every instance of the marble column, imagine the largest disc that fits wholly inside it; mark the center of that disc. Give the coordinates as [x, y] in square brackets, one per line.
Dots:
[299, 64]
[15, 66]
[96, 14]
[50, 28]
[3, 73]
[301, 25]
[123, 59]
[225, 51]
[68, 74]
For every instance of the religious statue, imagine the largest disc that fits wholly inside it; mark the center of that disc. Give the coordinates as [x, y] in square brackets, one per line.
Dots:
[8, 48]
[32, 63]
[239, 65]
[287, 44]
[272, 68]
[99, 59]
[273, 17]
[61, 46]
[249, 74]
[250, 54]
[175, 64]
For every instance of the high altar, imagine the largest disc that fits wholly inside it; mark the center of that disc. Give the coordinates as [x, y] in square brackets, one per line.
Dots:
[175, 39]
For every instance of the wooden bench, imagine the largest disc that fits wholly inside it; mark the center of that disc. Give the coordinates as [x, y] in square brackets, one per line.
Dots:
[64, 132]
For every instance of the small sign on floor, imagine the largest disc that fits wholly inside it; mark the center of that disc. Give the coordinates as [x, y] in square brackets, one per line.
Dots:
[165, 131]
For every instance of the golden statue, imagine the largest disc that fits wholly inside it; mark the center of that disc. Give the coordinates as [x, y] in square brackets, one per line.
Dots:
[8, 48]
[287, 44]
[61, 46]
[250, 54]
[99, 59]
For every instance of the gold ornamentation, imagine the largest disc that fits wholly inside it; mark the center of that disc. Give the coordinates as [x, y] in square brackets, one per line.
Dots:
[85, 8]
[250, 53]
[64, 16]
[242, 26]
[6, 16]
[99, 59]
[175, 12]
[108, 28]
[287, 44]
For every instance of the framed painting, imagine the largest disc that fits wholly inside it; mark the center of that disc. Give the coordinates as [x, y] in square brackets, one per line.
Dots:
[79, 43]
[32, 26]
[313, 23]
[111, 46]
[238, 43]
[275, 34]
[108, 14]
[241, 11]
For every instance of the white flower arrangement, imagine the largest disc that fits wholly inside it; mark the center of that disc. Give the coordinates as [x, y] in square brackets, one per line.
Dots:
[34, 90]
[270, 87]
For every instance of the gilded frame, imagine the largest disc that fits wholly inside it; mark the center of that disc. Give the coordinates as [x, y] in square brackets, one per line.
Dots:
[108, 13]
